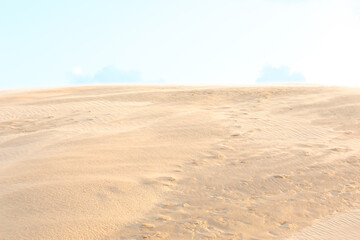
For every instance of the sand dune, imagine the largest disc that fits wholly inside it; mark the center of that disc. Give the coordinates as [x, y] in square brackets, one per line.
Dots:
[340, 226]
[141, 162]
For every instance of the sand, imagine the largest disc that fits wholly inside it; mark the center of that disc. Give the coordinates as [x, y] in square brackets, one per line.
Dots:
[168, 162]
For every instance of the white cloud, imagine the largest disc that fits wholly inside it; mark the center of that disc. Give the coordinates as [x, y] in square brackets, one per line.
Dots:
[77, 71]
[108, 74]
[282, 74]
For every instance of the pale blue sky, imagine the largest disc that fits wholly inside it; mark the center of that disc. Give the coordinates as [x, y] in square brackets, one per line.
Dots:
[57, 43]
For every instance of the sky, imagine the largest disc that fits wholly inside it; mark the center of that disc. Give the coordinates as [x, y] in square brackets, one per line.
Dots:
[60, 43]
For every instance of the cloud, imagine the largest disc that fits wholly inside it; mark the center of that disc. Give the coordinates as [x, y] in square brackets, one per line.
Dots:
[77, 71]
[282, 74]
[108, 74]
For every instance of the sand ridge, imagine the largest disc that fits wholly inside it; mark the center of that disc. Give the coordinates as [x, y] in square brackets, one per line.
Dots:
[161, 162]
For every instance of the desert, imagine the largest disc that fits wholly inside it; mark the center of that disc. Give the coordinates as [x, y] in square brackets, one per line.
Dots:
[180, 162]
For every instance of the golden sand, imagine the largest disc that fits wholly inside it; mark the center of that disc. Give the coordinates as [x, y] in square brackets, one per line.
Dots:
[141, 162]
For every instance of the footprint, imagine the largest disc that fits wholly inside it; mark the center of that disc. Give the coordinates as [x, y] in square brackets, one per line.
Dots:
[235, 134]
[186, 205]
[148, 225]
[286, 225]
[164, 218]
[219, 155]
[280, 176]
[225, 147]
[339, 149]
[157, 234]
[171, 179]
[166, 181]
[196, 162]
[113, 189]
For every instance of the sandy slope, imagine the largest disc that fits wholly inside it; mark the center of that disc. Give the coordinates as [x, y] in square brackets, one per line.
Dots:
[117, 162]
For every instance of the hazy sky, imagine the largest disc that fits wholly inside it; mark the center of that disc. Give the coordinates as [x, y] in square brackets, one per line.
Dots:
[55, 43]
